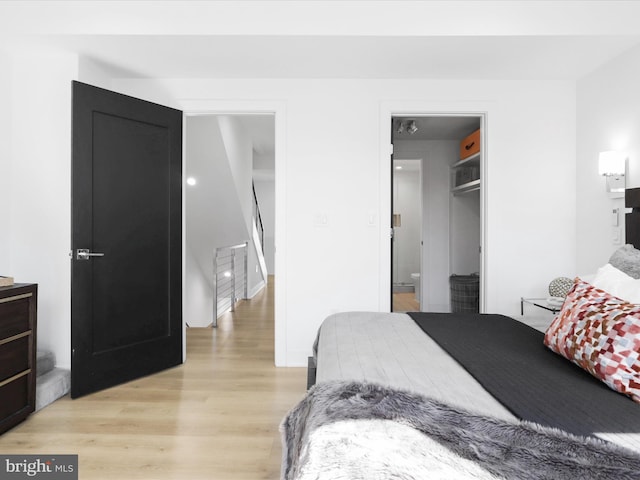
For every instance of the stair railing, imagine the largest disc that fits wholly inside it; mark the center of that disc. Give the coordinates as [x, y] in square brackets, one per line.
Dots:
[257, 217]
[230, 265]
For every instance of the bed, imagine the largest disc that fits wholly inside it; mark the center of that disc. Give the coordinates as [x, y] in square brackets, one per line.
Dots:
[455, 396]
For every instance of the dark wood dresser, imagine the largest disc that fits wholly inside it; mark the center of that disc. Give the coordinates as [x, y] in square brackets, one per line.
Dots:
[18, 318]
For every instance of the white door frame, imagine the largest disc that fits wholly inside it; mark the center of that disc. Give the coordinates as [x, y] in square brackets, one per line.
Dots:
[388, 110]
[193, 107]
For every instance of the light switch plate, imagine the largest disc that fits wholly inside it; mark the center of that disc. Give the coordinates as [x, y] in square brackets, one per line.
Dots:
[321, 219]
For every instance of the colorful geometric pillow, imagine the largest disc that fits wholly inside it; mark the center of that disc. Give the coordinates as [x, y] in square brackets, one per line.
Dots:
[601, 334]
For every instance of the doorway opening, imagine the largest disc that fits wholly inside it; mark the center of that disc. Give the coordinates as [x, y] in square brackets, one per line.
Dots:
[407, 233]
[229, 201]
[437, 212]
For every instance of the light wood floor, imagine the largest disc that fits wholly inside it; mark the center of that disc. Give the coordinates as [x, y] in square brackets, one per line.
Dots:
[405, 302]
[215, 417]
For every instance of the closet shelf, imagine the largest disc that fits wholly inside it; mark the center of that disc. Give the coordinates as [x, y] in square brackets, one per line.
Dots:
[472, 160]
[466, 187]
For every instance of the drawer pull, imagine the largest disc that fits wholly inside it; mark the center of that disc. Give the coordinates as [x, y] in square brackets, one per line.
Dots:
[470, 146]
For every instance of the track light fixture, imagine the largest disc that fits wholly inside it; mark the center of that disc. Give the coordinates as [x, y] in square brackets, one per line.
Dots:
[408, 126]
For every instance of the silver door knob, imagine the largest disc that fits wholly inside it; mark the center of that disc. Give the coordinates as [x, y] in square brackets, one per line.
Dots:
[85, 254]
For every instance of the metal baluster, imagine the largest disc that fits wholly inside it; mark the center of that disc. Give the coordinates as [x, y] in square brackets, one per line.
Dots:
[233, 280]
[215, 289]
[246, 270]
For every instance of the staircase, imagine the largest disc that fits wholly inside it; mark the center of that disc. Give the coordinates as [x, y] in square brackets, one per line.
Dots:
[51, 383]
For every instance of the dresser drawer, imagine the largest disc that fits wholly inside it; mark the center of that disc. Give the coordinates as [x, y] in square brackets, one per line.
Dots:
[14, 315]
[18, 335]
[14, 357]
[15, 400]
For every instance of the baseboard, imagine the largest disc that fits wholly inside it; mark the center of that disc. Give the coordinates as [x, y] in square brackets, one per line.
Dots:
[257, 289]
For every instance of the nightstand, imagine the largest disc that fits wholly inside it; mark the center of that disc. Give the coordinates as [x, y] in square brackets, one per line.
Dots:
[540, 303]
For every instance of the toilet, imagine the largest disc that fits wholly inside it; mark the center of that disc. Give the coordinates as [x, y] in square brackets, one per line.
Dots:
[415, 278]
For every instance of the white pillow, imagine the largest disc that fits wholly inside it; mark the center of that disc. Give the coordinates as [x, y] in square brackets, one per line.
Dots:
[588, 278]
[617, 283]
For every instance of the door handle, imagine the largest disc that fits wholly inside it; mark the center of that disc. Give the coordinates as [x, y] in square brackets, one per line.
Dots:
[85, 254]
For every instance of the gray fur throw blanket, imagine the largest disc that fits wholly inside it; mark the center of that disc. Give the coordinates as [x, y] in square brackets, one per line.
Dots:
[359, 431]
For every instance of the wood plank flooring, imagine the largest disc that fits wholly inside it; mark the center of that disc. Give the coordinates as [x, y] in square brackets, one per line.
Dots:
[405, 302]
[215, 417]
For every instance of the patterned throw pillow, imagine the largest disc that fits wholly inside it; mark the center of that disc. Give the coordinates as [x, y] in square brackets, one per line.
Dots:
[601, 334]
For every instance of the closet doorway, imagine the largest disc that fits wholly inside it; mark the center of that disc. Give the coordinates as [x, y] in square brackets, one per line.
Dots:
[437, 212]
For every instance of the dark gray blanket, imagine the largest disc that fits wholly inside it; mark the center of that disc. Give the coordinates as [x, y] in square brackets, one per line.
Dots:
[509, 359]
[519, 451]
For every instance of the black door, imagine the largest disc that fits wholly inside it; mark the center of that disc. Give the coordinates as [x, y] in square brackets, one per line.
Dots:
[126, 275]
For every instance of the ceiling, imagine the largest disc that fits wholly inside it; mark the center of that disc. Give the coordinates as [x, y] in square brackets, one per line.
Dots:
[431, 128]
[436, 127]
[262, 129]
[250, 56]
[446, 40]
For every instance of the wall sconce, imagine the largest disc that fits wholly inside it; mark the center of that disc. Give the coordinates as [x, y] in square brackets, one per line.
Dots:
[612, 165]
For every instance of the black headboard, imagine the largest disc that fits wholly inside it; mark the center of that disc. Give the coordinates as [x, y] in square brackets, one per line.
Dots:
[632, 220]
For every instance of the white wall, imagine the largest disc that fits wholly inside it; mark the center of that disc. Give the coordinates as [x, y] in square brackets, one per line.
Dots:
[40, 191]
[341, 175]
[436, 260]
[530, 200]
[465, 233]
[198, 293]
[94, 73]
[328, 171]
[323, 171]
[608, 113]
[5, 163]
[239, 153]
